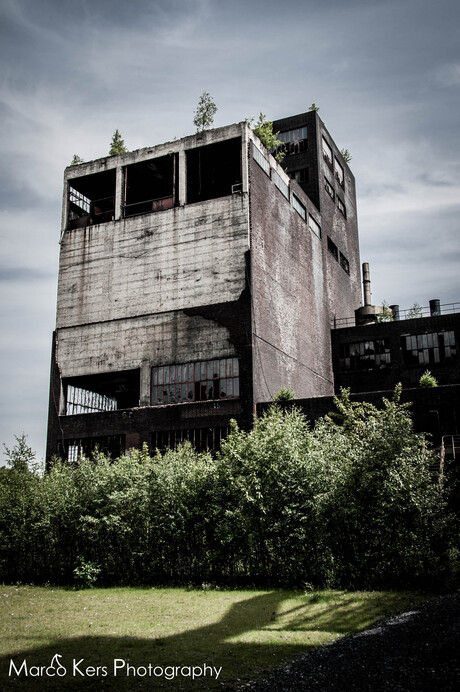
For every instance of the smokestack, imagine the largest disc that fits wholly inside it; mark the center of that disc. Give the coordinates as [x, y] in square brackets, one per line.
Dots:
[435, 307]
[367, 284]
[395, 310]
[368, 313]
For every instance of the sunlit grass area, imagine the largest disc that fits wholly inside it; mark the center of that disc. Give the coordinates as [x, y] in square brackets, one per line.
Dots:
[243, 633]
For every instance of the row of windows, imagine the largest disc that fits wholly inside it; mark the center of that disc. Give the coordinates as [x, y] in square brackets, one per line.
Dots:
[300, 208]
[417, 349]
[428, 349]
[338, 256]
[333, 163]
[201, 381]
[203, 439]
[331, 192]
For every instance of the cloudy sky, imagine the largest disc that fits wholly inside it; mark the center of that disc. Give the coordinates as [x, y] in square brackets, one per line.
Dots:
[385, 73]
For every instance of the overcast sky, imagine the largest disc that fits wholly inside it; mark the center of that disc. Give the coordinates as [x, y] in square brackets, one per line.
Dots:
[386, 75]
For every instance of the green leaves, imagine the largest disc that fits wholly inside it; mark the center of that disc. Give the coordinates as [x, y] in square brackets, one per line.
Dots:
[350, 502]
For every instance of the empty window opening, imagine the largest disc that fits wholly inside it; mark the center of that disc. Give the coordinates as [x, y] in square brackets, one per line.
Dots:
[212, 170]
[344, 263]
[365, 355]
[332, 247]
[429, 349]
[301, 175]
[98, 393]
[339, 174]
[202, 381]
[314, 226]
[110, 445]
[203, 439]
[151, 186]
[341, 207]
[299, 207]
[91, 199]
[327, 153]
[280, 184]
[329, 188]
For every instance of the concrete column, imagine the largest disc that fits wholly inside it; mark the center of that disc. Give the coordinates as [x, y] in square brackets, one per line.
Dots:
[144, 396]
[244, 159]
[119, 193]
[182, 177]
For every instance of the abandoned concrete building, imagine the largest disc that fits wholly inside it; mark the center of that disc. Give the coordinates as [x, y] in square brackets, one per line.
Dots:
[199, 277]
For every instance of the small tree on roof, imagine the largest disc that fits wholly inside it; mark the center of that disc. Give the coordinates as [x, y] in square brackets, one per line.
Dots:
[76, 160]
[117, 145]
[264, 130]
[205, 112]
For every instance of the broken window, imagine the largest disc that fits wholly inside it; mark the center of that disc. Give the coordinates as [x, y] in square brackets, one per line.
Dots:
[341, 207]
[294, 141]
[91, 199]
[299, 207]
[327, 153]
[150, 185]
[202, 381]
[365, 355]
[110, 445]
[106, 392]
[428, 349]
[314, 226]
[344, 263]
[329, 188]
[213, 169]
[202, 439]
[339, 173]
[280, 184]
[333, 249]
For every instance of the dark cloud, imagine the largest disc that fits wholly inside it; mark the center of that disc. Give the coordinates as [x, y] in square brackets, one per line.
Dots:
[24, 274]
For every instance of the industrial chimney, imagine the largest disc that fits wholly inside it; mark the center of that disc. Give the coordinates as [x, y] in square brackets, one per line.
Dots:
[368, 313]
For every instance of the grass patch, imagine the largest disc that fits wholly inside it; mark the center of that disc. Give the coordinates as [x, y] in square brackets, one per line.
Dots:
[244, 632]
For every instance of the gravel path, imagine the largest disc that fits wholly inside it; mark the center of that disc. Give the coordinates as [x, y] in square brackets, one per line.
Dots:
[416, 651]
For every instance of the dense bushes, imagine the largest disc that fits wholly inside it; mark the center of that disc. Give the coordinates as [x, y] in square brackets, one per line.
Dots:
[349, 503]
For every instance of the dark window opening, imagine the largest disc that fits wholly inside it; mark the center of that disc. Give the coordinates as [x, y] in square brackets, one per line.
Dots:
[329, 188]
[327, 153]
[429, 349]
[74, 449]
[203, 439]
[91, 199]
[333, 249]
[202, 381]
[341, 207]
[344, 263]
[365, 355]
[107, 392]
[213, 170]
[339, 174]
[151, 186]
[301, 175]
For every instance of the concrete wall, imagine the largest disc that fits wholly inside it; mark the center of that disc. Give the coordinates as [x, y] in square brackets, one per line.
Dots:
[289, 294]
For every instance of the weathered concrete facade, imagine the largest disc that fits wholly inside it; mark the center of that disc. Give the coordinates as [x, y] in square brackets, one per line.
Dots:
[195, 280]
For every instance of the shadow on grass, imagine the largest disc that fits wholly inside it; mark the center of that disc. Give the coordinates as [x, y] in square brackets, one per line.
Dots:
[260, 618]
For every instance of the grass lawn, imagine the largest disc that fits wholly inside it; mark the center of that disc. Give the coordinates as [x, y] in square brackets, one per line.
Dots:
[244, 633]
